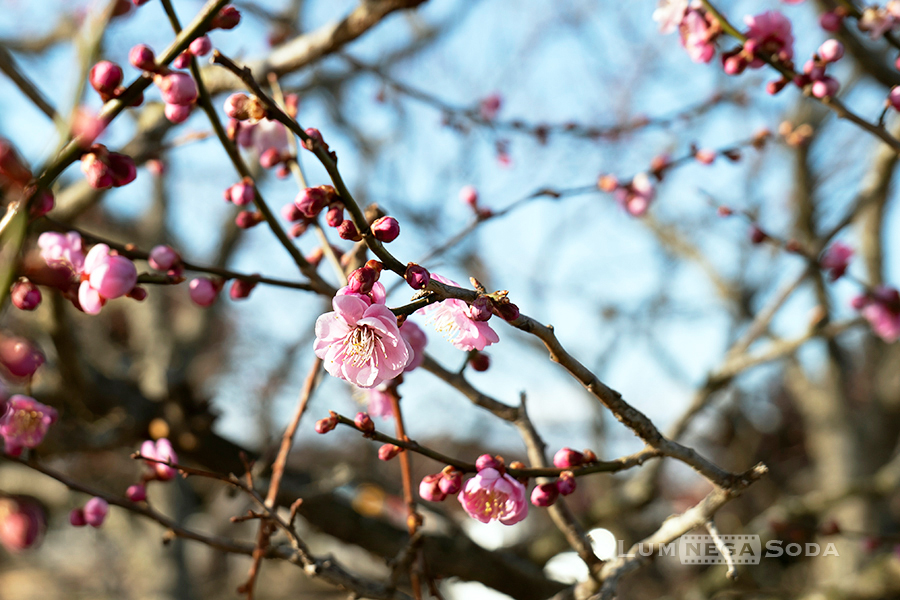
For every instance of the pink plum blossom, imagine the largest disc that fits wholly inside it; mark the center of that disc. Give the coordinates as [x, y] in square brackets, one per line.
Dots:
[669, 14]
[105, 276]
[882, 311]
[95, 511]
[636, 196]
[25, 424]
[176, 88]
[62, 250]
[417, 340]
[698, 36]
[836, 259]
[22, 523]
[378, 402]
[452, 318]
[268, 135]
[203, 291]
[492, 496]
[360, 341]
[769, 32]
[160, 450]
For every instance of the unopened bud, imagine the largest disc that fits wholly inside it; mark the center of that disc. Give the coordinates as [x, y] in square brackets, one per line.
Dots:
[566, 483]
[388, 451]
[544, 494]
[430, 489]
[386, 229]
[482, 309]
[241, 288]
[362, 279]
[76, 517]
[25, 295]
[347, 231]
[142, 57]
[486, 461]
[479, 361]
[228, 18]
[105, 77]
[364, 422]
[325, 425]
[248, 218]
[451, 480]
[311, 201]
[201, 46]
[566, 458]
[417, 276]
[136, 493]
[95, 511]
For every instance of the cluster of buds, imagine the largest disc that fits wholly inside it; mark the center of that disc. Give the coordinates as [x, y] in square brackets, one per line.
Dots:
[468, 195]
[820, 84]
[104, 169]
[93, 513]
[634, 196]
[881, 308]
[249, 127]
[436, 487]
[201, 46]
[178, 90]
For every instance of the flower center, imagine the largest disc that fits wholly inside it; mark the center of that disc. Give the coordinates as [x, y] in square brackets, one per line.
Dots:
[26, 421]
[490, 503]
[360, 346]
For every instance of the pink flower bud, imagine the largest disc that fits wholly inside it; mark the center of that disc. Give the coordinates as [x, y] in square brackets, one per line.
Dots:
[836, 259]
[364, 422]
[241, 193]
[831, 51]
[490, 106]
[241, 288]
[335, 215]
[831, 21]
[298, 229]
[566, 458]
[163, 258]
[325, 425]
[142, 57]
[96, 171]
[544, 494]
[417, 277]
[248, 218]
[236, 106]
[451, 481]
[894, 97]
[160, 450]
[566, 483]
[362, 280]
[482, 309]
[41, 204]
[176, 88]
[508, 311]
[469, 195]
[775, 86]
[22, 523]
[315, 138]
[311, 201]
[182, 61]
[95, 511]
[430, 490]
[486, 461]
[386, 229]
[19, 356]
[270, 158]
[201, 46]
[137, 293]
[479, 361]
[734, 64]
[177, 113]
[203, 291]
[347, 231]
[705, 157]
[228, 18]
[76, 517]
[825, 87]
[291, 213]
[757, 235]
[105, 77]
[859, 302]
[25, 295]
[121, 169]
[388, 451]
[136, 493]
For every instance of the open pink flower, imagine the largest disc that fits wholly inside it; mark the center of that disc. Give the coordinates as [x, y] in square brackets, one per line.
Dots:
[106, 276]
[160, 450]
[62, 250]
[25, 423]
[453, 318]
[360, 341]
[882, 311]
[266, 136]
[769, 33]
[378, 402]
[490, 496]
[669, 14]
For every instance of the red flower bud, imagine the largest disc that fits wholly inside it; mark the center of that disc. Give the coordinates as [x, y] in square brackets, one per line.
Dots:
[386, 229]
[544, 494]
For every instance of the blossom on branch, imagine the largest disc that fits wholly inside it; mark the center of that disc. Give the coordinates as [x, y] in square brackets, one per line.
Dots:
[25, 424]
[494, 496]
[453, 318]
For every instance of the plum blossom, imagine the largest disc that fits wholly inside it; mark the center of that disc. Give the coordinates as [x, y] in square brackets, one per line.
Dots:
[360, 341]
[636, 196]
[378, 402]
[160, 450]
[492, 496]
[22, 523]
[62, 250]
[882, 310]
[269, 138]
[769, 32]
[105, 276]
[25, 424]
[669, 14]
[698, 35]
[417, 341]
[453, 318]
[836, 260]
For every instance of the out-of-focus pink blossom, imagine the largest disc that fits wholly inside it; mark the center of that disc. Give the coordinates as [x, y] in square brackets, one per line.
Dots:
[25, 424]
[25, 295]
[176, 88]
[882, 311]
[268, 136]
[136, 493]
[22, 523]
[160, 450]
[669, 14]
[490, 106]
[836, 260]
[636, 196]
[430, 489]
[20, 357]
[877, 21]
[769, 33]
[360, 341]
[492, 496]
[203, 291]
[452, 318]
[228, 18]
[163, 258]
[76, 517]
[241, 193]
[417, 340]
[831, 51]
[469, 195]
[95, 511]
[201, 46]
[177, 113]
[698, 36]
[378, 402]
[109, 276]
[86, 127]
[105, 77]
